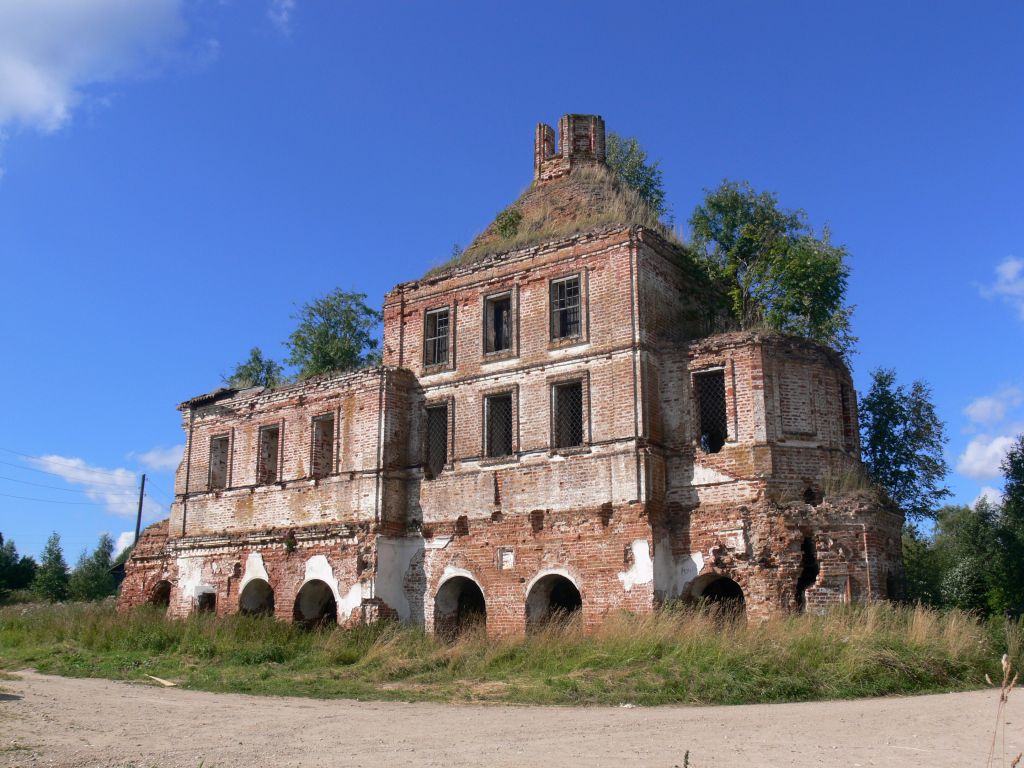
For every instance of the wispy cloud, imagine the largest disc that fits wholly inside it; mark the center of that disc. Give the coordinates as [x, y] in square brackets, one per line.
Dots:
[51, 51]
[116, 489]
[160, 459]
[1008, 284]
[280, 13]
[124, 540]
[990, 494]
[983, 456]
[992, 409]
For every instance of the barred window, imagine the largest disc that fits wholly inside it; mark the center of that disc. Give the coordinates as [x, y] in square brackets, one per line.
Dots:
[218, 462]
[710, 390]
[437, 440]
[498, 323]
[435, 337]
[498, 425]
[266, 468]
[323, 445]
[567, 414]
[565, 307]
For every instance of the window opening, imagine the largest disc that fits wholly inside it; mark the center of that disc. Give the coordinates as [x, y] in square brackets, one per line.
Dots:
[435, 350]
[323, 445]
[808, 574]
[269, 450]
[218, 462]
[206, 602]
[437, 439]
[567, 401]
[710, 388]
[498, 425]
[565, 308]
[498, 323]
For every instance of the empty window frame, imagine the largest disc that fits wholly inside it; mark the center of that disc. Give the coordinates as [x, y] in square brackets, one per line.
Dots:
[498, 425]
[270, 449]
[498, 323]
[567, 414]
[709, 388]
[436, 446]
[566, 306]
[323, 445]
[435, 337]
[219, 446]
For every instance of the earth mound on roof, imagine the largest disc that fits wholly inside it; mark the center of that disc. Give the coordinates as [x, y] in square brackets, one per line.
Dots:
[588, 198]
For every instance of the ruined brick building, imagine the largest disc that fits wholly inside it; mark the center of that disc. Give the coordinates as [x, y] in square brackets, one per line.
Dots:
[554, 427]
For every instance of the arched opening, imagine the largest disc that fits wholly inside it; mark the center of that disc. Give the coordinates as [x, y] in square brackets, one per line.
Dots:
[315, 605]
[257, 599]
[719, 591]
[459, 607]
[160, 595]
[809, 574]
[552, 598]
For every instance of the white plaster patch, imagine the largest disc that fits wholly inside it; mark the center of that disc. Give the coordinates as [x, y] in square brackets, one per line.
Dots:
[190, 578]
[707, 476]
[438, 542]
[319, 569]
[350, 601]
[254, 569]
[642, 570]
[672, 576]
[394, 558]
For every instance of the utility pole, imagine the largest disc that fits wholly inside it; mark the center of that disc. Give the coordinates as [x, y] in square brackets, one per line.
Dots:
[138, 517]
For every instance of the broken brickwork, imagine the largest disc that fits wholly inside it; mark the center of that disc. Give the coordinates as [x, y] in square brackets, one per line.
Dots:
[559, 427]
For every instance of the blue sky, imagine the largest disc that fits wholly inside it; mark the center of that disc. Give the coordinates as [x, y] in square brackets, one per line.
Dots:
[179, 176]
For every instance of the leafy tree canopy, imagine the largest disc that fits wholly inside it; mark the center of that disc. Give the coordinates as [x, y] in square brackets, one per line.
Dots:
[51, 581]
[629, 161]
[335, 333]
[92, 579]
[15, 572]
[774, 269]
[902, 440]
[256, 371]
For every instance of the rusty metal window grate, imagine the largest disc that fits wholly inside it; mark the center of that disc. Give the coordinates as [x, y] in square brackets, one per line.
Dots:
[567, 404]
[498, 323]
[323, 445]
[714, 420]
[437, 440]
[435, 338]
[565, 308]
[218, 462]
[266, 469]
[498, 437]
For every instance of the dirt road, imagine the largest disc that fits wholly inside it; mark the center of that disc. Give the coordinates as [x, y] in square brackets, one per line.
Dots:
[54, 721]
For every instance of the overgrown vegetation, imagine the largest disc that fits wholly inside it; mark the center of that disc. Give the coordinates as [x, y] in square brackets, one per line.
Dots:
[675, 656]
[628, 161]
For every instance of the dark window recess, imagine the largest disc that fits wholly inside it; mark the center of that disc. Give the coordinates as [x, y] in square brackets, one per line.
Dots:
[567, 402]
[565, 308]
[206, 603]
[323, 445]
[437, 440]
[710, 388]
[435, 338]
[218, 462]
[498, 324]
[269, 447]
[499, 425]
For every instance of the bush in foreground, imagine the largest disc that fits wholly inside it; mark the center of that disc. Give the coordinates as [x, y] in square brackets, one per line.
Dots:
[673, 656]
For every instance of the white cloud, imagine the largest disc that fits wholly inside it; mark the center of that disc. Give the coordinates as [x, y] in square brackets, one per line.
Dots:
[280, 13]
[993, 408]
[160, 459]
[116, 489]
[990, 494]
[983, 455]
[124, 540]
[52, 51]
[1009, 284]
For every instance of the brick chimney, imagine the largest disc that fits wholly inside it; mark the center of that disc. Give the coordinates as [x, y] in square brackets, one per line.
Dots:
[580, 141]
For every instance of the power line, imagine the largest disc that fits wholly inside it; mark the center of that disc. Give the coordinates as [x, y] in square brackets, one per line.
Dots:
[53, 501]
[68, 464]
[64, 477]
[126, 488]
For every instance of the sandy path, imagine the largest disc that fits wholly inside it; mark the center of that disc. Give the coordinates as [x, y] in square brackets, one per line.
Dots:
[55, 721]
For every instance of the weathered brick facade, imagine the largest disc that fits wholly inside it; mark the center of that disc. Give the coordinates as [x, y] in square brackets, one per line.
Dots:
[592, 445]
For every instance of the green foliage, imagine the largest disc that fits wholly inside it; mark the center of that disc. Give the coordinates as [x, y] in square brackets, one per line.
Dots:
[507, 222]
[16, 573]
[1010, 530]
[256, 371]
[628, 160]
[51, 580]
[775, 271]
[902, 440]
[672, 656]
[921, 569]
[335, 333]
[92, 579]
